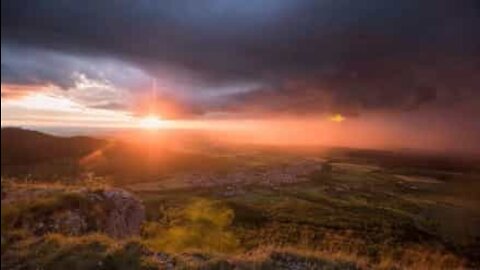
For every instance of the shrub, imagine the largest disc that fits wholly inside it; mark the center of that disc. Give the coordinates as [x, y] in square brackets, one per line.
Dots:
[204, 225]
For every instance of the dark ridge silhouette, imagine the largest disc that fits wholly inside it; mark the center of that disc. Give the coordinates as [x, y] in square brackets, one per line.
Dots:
[24, 147]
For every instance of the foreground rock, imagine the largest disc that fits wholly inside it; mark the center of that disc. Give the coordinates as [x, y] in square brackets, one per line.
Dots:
[125, 213]
[114, 212]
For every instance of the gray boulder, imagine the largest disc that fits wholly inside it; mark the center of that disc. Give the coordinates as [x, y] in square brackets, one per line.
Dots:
[124, 213]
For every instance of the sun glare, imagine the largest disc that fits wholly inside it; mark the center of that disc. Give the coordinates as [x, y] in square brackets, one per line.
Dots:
[151, 122]
[338, 118]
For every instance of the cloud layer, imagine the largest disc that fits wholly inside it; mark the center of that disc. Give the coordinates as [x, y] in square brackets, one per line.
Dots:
[274, 56]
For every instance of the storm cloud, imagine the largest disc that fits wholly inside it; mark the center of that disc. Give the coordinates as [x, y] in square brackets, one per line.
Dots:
[270, 56]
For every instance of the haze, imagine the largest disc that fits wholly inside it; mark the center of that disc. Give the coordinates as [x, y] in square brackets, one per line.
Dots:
[382, 74]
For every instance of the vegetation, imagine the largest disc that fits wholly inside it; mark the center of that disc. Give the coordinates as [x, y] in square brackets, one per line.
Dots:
[33, 154]
[359, 211]
[93, 251]
[203, 225]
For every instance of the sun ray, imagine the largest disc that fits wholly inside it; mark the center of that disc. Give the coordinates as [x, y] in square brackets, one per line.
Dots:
[151, 122]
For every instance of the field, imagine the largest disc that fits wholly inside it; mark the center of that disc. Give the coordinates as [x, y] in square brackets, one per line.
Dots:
[250, 208]
[385, 216]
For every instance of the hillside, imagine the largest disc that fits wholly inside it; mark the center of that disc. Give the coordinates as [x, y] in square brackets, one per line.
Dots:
[32, 154]
[21, 146]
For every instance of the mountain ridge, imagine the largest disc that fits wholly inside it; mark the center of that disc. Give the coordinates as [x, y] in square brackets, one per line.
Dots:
[22, 146]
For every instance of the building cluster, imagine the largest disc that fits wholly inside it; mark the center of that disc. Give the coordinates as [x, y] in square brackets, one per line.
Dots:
[271, 176]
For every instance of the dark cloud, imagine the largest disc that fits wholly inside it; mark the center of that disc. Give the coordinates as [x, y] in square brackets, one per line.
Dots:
[22, 67]
[25, 64]
[308, 56]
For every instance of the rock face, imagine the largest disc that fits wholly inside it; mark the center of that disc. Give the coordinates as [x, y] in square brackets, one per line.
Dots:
[70, 223]
[115, 212]
[112, 211]
[125, 214]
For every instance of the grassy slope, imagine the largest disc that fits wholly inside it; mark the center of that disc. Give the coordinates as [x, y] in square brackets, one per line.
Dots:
[369, 213]
[362, 213]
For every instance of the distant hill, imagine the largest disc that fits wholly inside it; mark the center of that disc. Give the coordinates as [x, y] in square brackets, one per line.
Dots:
[24, 147]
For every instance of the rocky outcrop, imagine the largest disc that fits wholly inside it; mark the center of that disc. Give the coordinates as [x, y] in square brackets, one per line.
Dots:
[112, 211]
[70, 223]
[115, 212]
[125, 213]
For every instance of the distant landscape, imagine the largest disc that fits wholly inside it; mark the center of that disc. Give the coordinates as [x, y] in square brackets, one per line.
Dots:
[223, 208]
[240, 135]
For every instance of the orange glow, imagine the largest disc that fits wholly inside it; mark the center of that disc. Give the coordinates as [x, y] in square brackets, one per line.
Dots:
[49, 107]
[151, 122]
[338, 118]
[13, 91]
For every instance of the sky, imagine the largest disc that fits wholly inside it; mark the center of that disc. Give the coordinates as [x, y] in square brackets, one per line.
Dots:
[405, 72]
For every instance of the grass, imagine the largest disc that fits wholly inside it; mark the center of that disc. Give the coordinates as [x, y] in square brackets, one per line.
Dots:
[94, 251]
[350, 217]
[41, 208]
[346, 212]
[28, 212]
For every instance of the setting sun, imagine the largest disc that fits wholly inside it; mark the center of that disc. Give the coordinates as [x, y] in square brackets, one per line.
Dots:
[338, 118]
[151, 122]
